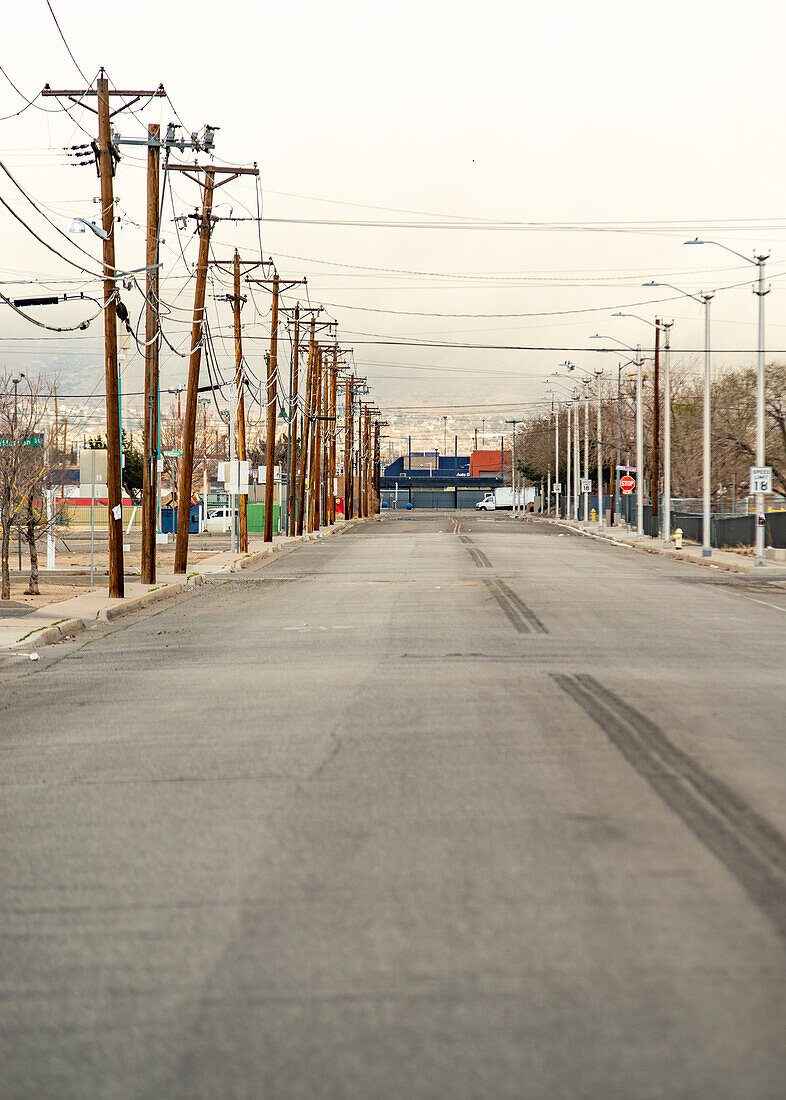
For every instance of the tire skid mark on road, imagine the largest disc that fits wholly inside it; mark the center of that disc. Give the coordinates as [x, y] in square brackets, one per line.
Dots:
[478, 557]
[550, 657]
[747, 845]
[522, 618]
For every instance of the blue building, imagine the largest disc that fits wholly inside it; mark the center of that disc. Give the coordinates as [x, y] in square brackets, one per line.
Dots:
[430, 480]
[428, 464]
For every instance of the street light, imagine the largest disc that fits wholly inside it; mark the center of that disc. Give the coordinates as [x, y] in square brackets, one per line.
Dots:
[758, 260]
[704, 299]
[568, 406]
[15, 383]
[556, 457]
[598, 377]
[639, 431]
[513, 466]
[78, 225]
[665, 328]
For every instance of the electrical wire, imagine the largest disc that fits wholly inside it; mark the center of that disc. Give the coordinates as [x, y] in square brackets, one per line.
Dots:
[52, 328]
[40, 240]
[46, 218]
[28, 102]
[70, 54]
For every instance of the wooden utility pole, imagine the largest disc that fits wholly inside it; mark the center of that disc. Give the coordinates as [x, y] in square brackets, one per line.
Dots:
[317, 478]
[241, 405]
[108, 156]
[150, 429]
[106, 170]
[348, 449]
[332, 437]
[272, 383]
[366, 459]
[376, 465]
[197, 328]
[312, 454]
[359, 502]
[656, 425]
[304, 442]
[292, 472]
[325, 440]
[272, 379]
[197, 332]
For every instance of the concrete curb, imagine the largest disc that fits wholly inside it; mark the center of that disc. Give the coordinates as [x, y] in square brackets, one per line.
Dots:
[49, 635]
[675, 555]
[59, 631]
[256, 556]
[165, 592]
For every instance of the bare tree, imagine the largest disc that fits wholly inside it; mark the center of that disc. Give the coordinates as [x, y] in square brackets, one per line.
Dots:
[23, 408]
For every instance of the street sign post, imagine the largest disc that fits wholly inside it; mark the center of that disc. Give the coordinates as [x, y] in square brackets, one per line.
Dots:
[627, 485]
[761, 479]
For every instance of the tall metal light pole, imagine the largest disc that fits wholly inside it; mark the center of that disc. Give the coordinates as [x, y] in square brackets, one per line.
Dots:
[15, 383]
[568, 404]
[586, 447]
[598, 376]
[706, 491]
[759, 260]
[639, 362]
[513, 469]
[665, 327]
[556, 460]
[639, 447]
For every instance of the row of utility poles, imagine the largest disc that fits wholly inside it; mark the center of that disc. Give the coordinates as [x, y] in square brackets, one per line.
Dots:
[315, 471]
[312, 474]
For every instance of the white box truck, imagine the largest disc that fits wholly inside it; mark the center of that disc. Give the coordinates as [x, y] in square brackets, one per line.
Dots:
[501, 499]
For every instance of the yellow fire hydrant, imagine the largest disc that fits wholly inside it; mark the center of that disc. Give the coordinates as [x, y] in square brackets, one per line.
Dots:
[593, 515]
[678, 539]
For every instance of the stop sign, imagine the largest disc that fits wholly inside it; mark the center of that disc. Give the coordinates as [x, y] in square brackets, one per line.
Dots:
[627, 484]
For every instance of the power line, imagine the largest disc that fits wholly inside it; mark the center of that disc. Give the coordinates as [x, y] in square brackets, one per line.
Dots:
[70, 54]
[28, 102]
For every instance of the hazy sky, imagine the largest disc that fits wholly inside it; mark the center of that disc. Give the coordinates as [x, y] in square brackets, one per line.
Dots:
[632, 126]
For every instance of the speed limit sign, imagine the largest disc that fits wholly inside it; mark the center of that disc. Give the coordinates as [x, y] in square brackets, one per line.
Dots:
[761, 479]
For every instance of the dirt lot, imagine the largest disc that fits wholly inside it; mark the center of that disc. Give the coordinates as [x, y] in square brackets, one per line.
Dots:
[72, 556]
[50, 593]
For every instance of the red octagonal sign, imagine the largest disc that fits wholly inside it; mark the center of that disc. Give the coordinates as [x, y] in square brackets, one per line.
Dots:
[627, 484]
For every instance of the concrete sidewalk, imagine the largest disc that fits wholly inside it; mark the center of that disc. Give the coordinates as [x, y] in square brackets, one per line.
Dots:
[726, 560]
[56, 621]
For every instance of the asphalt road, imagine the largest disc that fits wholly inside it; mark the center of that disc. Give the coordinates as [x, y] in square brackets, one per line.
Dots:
[423, 810]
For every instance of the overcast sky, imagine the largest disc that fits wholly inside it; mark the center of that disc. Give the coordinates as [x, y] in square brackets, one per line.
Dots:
[634, 127]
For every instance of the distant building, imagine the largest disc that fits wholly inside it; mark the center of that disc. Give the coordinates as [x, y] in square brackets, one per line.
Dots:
[482, 463]
[428, 464]
[437, 481]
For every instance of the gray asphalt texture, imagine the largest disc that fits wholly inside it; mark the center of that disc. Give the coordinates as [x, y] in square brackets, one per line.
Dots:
[420, 810]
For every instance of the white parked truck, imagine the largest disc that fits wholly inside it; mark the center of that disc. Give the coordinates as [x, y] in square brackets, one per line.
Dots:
[501, 499]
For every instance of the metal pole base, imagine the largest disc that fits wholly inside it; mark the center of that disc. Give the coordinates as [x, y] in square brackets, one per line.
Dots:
[760, 560]
[706, 553]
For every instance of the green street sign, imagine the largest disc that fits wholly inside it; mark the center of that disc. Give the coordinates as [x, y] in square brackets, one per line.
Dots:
[172, 454]
[28, 441]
